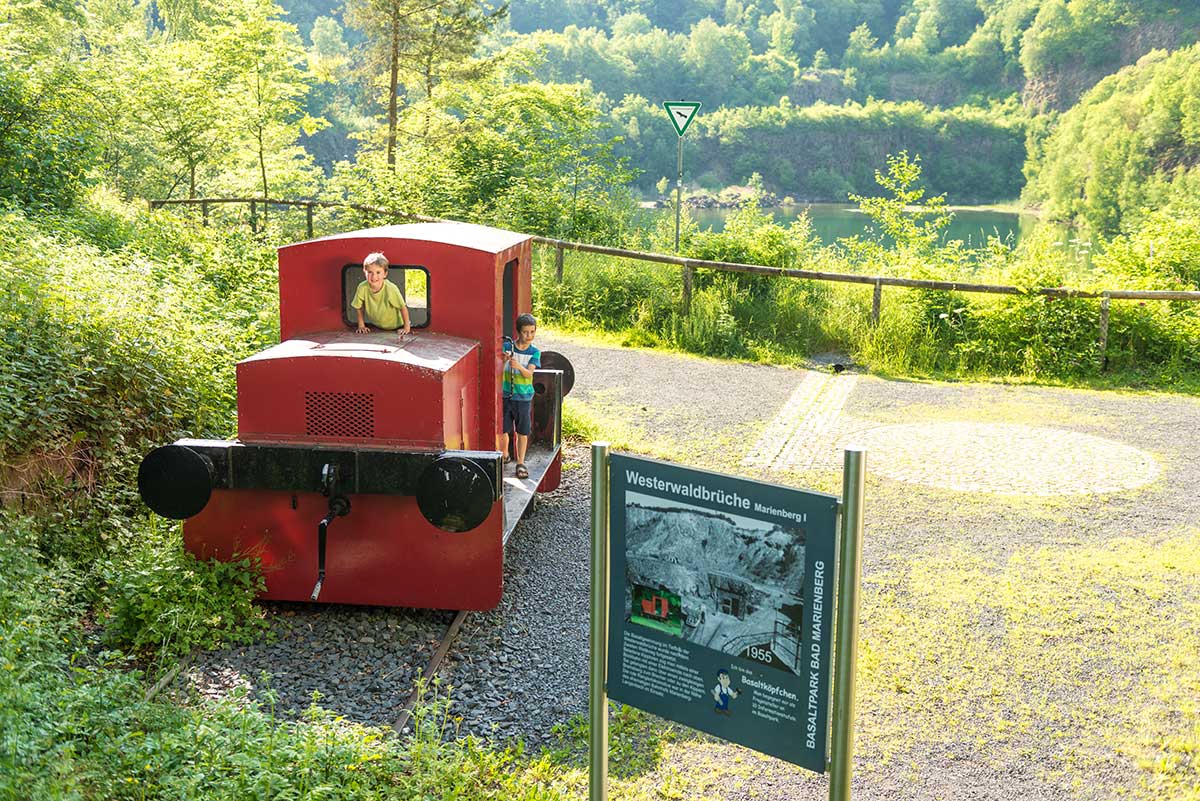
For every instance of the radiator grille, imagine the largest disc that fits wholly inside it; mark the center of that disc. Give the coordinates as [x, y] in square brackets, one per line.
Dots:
[339, 414]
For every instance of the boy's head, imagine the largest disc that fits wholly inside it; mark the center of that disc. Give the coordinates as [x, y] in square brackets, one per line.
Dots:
[723, 677]
[526, 328]
[375, 270]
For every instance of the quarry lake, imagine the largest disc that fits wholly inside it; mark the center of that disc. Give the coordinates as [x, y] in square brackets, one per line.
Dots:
[834, 221]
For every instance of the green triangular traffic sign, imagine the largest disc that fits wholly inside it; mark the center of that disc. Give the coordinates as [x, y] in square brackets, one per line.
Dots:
[681, 113]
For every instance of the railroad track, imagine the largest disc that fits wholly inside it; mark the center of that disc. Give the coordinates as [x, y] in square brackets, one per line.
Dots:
[430, 669]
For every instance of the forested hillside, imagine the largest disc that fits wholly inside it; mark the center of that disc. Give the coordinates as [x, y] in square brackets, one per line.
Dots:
[1010, 61]
[1131, 145]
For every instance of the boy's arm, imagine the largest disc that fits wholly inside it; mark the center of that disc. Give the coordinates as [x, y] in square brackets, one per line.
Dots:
[520, 368]
[362, 325]
[404, 313]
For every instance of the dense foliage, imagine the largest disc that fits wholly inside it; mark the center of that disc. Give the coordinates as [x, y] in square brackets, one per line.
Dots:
[77, 725]
[755, 56]
[1131, 145]
[528, 157]
[118, 331]
[829, 151]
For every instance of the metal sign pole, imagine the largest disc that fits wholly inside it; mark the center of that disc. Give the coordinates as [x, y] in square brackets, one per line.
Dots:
[678, 193]
[598, 700]
[846, 646]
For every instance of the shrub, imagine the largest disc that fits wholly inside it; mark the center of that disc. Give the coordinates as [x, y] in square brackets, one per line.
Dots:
[161, 601]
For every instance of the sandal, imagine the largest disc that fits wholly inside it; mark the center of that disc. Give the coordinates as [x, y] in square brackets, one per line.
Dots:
[522, 471]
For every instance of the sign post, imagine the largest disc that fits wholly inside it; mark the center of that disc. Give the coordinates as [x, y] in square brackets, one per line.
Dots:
[598, 698]
[713, 605]
[682, 113]
[849, 574]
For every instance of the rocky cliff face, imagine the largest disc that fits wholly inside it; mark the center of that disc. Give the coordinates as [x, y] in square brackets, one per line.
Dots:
[1060, 87]
[711, 542]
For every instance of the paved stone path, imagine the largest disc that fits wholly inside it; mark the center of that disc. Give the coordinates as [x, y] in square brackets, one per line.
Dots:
[803, 434]
[804, 419]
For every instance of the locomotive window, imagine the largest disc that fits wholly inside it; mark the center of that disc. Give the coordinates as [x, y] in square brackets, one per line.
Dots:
[413, 282]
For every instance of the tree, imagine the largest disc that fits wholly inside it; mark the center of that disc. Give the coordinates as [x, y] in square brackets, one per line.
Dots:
[266, 87]
[48, 132]
[911, 221]
[179, 102]
[427, 41]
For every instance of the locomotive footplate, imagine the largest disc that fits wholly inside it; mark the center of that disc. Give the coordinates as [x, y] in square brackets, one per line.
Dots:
[520, 495]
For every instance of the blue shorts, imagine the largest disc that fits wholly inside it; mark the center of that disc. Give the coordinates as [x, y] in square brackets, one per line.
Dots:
[518, 415]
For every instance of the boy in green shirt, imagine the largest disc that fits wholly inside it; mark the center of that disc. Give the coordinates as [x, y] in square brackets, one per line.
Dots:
[380, 298]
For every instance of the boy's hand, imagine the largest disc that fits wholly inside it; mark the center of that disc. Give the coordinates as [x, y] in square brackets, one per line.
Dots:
[362, 329]
[407, 329]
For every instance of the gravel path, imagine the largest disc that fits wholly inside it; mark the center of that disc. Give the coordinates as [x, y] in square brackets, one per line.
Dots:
[521, 669]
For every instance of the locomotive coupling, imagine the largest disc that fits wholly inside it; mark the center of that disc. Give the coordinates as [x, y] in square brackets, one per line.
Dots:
[339, 506]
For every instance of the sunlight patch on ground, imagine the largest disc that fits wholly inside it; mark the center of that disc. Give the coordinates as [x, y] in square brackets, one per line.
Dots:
[1006, 458]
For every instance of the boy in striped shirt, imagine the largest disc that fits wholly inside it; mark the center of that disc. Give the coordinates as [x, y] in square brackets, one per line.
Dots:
[518, 389]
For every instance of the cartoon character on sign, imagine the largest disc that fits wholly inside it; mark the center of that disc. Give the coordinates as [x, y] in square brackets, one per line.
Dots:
[722, 692]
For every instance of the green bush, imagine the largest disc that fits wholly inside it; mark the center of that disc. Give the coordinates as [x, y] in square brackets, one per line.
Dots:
[161, 601]
[76, 724]
[106, 351]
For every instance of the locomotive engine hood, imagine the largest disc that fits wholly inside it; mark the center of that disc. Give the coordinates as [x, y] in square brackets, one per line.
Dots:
[346, 388]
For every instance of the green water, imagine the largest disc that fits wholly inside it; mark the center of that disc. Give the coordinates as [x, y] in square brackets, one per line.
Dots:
[834, 221]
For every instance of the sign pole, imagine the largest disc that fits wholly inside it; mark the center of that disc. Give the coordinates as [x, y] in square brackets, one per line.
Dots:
[682, 113]
[846, 646]
[598, 699]
[678, 193]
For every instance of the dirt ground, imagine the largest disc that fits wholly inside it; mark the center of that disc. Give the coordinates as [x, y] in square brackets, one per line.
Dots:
[1030, 621]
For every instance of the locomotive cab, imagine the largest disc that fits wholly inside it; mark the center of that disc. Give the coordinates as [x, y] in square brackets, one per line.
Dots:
[366, 468]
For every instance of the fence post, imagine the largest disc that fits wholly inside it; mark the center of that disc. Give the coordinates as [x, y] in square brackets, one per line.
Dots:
[558, 263]
[687, 290]
[155, 204]
[253, 217]
[1103, 349]
[308, 218]
[204, 211]
[876, 300]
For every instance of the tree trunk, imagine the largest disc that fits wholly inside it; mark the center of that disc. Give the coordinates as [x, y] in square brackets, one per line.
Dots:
[262, 166]
[428, 94]
[393, 85]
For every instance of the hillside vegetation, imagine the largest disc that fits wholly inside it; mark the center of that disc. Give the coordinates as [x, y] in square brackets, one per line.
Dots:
[759, 56]
[1130, 146]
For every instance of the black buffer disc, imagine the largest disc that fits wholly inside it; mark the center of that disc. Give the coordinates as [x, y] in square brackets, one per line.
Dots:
[455, 494]
[552, 360]
[175, 481]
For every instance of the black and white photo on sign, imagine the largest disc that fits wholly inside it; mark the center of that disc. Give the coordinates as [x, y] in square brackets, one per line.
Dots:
[719, 580]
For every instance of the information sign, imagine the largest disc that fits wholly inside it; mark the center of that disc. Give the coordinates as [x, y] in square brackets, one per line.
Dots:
[681, 113]
[721, 604]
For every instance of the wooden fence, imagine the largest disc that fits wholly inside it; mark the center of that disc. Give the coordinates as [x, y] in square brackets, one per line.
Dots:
[690, 265]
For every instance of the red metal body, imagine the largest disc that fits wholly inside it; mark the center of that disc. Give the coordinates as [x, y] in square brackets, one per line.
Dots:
[325, 385]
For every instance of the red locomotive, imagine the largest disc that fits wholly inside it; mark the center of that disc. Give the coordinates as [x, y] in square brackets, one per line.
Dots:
[366, 468]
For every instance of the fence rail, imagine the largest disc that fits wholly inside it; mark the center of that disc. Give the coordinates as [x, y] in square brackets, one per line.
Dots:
[1106, 296]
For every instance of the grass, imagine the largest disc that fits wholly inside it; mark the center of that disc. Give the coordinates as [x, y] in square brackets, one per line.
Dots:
[1081, 654]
